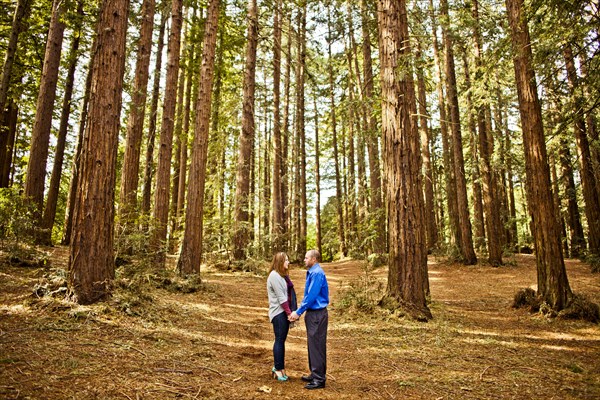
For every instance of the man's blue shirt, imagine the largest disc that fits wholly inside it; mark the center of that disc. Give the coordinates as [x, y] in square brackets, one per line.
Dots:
[316, 291]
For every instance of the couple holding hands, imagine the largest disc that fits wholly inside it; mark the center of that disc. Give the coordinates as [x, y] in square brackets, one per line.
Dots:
[282, 312]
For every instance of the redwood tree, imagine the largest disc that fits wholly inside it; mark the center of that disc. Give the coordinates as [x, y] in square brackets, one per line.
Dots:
[402, 163]
[553, 285]
[191, 247]
[91, 259]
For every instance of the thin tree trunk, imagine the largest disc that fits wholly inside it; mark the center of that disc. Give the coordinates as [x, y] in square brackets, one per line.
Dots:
[553, 285]
[285, 199]
[149, 164]
[578, 244]
[486, 149]
[377, 211]
[53, 189]
[431, 228]
[300, 107]
[135, 124]
[40, 136]
[557, 205]
[448, 160]
[76, 164]
[241, 236]
[588, 179]
[191, 247]
[402, 163]
[91, 260]
[467, 251]
[19, 26]
[277, 215]
[338, 185]
[8, 118]
[318, 234]
[165, 152]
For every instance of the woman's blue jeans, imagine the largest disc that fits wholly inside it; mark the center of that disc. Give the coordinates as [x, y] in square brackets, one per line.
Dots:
[281, 327]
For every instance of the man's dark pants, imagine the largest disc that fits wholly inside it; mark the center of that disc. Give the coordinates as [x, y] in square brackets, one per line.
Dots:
[316, 331]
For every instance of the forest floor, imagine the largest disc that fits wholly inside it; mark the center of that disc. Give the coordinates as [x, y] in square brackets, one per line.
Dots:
[217, 343]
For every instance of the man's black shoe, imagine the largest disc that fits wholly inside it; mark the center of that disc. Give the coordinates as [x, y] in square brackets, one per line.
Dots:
[307, 378]
[315, 385]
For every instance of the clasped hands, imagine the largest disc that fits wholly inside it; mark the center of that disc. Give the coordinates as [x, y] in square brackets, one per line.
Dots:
[293, 317]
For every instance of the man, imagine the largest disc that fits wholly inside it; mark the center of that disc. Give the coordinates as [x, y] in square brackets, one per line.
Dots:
[315, 301]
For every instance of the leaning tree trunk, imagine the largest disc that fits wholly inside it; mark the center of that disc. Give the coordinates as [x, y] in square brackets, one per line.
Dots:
[40, 136]
[553, 285]
[135, 124]
[402, 163]
[53, 189]
[91, 260]
[191, 247]
[165, 152]
[241, 235]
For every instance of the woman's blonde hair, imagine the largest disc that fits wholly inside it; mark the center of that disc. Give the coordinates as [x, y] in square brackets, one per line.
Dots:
[279, 263]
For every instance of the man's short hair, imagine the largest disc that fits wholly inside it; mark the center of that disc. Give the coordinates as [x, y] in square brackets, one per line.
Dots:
[315, 254]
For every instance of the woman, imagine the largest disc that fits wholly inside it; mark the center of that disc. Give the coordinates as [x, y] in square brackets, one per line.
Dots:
[282, 301]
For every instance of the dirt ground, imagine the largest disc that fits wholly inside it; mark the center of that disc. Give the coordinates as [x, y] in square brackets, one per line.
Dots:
[217, 343]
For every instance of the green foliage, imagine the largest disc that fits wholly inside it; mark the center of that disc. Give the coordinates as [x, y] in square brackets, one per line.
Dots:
[362, 294]
[18, 228]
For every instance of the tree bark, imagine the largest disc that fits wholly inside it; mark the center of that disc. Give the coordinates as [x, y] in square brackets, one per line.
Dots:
[467, 251]
[40, 136]
[553, 285]
[588, 179]
[242, 227]
[8, 118]
[91, 260]
[149, 163]
[165, 152]
[277, 209]
[300, 131]
[402, 163]
[191, 247]
[318, 234]
[377, 211]
[53, 189]
[137, 111]
[338, 184]
[22, 11]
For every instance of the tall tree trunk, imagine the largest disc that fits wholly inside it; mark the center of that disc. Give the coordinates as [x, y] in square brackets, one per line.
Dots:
[479, 223]
[557, 205]
[402, 163]
[377, 211]
[18, 26]
[241, 235]
[591, 122]
[191, 247]
[588, 179]
[76, 164]
[467, 251]
[578, 245]
[431, 228]
[285, 199]
[300, 110]
[553, 285]
[91, 260]
[8, 118]
[486, 148]
[163, 172]
[149, 163]
[318, 234]
[53, 189]
[135, 124]
[338, 184]
[448, 160]
[40, 136]
[277, 208]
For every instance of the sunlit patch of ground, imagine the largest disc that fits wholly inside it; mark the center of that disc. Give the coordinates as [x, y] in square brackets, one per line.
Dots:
[216, 344]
